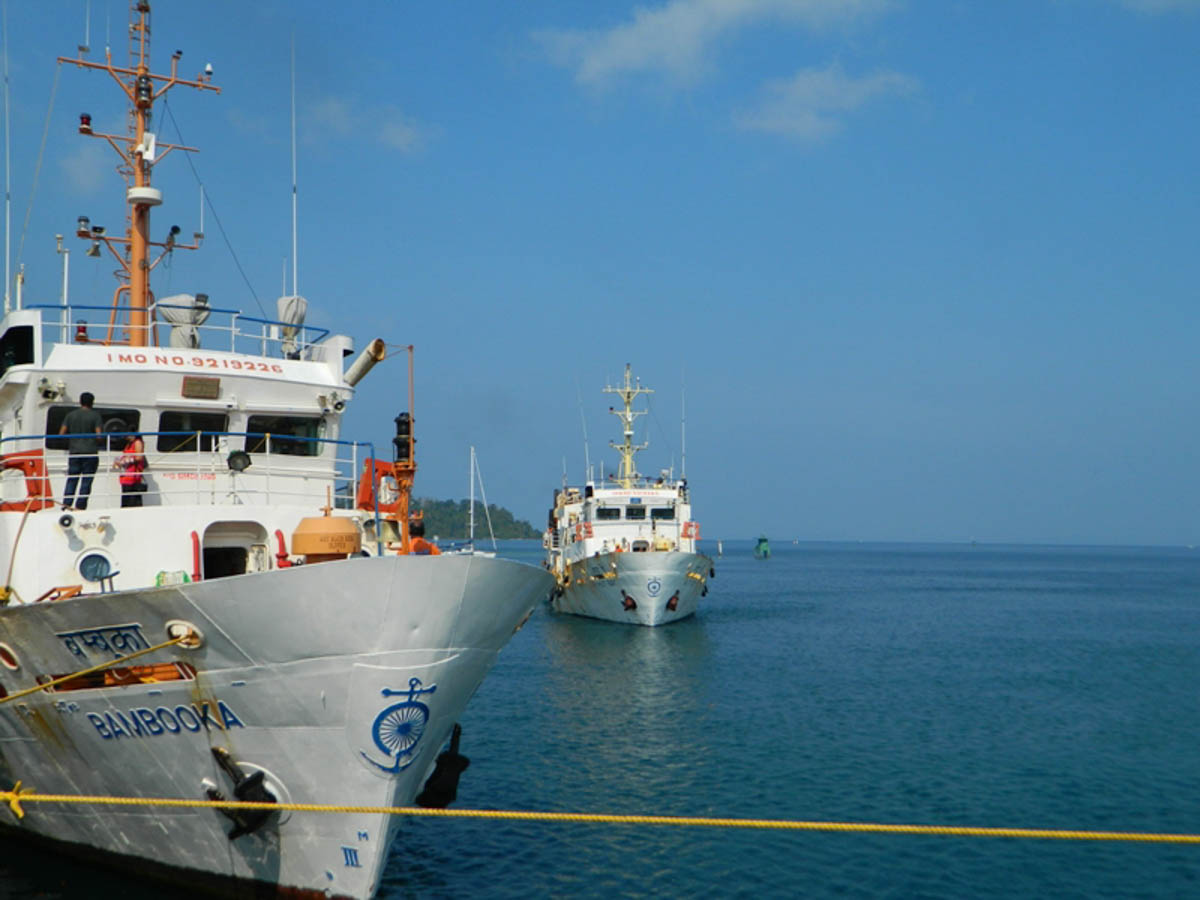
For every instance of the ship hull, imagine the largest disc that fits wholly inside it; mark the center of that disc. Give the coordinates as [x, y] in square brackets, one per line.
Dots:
[635, 588]
[339, 681]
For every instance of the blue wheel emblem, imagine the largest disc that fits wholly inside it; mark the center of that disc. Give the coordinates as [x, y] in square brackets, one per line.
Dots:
[398, 728]
[653, 586]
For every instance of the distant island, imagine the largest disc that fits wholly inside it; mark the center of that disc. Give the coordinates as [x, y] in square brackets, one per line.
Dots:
[450, 520]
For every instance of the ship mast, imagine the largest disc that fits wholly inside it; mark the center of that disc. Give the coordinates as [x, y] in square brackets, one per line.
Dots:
[139, 150]
[628, 392]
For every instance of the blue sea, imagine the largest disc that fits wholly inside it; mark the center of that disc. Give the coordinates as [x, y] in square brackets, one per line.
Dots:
[960, 685]
[1009, 686]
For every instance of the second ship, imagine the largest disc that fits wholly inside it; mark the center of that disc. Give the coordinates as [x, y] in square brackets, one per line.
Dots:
[627, 551]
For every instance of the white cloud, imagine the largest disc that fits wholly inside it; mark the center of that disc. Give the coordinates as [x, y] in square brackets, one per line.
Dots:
[400, 132]
[338, 119]
[255, 124]
[88, 167]
[812, 103]
[329, 116]
[677, 37]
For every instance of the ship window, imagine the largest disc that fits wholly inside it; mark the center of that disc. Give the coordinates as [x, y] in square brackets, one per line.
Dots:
[635, 512]
[662, 512]
[608, 512]
[221, 562]
[115, 421]
[291, 435]
[208, 424]
[234, 548]
[16, 347]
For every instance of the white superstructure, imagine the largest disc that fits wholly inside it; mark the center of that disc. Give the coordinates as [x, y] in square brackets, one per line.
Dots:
[627, 551]
[322, 656]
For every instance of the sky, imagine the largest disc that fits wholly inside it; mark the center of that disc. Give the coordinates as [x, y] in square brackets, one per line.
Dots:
[916, 271]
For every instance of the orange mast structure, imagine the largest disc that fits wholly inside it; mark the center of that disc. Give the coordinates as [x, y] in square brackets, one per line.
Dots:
[401, 472]
[140, 151]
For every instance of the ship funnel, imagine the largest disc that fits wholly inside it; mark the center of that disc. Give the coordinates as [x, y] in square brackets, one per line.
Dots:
[375, 352]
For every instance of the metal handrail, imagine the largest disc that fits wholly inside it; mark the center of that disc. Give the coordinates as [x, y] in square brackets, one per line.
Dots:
[306, 337]
[338, 472]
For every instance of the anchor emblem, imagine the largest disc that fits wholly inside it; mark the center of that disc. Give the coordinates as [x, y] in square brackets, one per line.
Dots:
[398, 728]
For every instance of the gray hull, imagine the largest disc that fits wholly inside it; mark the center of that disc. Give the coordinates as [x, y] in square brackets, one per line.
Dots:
[603, 587]
[339, 681]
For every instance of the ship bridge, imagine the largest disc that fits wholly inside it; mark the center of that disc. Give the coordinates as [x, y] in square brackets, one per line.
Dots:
[248, 412]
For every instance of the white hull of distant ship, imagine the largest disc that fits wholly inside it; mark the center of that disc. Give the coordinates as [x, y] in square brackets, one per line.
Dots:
[627, 552]
[636, 588]
[319, 659]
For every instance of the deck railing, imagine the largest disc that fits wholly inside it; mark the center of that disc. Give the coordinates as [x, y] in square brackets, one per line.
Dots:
[231, 330]
[642, 483]
[216, 469]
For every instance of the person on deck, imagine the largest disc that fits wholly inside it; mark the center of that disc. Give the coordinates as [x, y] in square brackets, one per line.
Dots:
[417, 542]
[83, 446]
[131, 464]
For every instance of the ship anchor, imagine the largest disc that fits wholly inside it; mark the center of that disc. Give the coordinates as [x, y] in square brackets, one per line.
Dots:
[246, 788]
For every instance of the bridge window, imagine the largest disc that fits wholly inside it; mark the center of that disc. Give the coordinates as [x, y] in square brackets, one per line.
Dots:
[662, 512]
[608, 512]
[115, 422]
[208, 424]
[16, 347]
[635, 512]
[290, 435]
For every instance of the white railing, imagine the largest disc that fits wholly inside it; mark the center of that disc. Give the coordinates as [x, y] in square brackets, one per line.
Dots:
[223, 475]
[229, 329]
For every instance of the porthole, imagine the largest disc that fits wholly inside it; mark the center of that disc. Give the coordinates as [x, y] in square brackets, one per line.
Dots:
[9, 657]
[95, 567]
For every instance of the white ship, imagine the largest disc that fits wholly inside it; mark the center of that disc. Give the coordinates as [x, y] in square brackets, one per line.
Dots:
[626, 550]
[321, 658]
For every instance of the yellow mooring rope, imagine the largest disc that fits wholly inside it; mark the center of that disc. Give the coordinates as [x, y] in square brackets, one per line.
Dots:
[19, 795]
[104, 665]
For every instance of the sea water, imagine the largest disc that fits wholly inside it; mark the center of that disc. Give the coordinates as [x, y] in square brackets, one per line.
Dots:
[1029, 687]
[948, 685]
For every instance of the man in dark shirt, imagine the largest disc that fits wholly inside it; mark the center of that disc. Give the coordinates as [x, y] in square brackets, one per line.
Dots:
[82, 458]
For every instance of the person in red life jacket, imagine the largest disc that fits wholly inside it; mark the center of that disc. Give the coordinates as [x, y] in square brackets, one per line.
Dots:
[418, 544]
[131, 464]
[422, 547]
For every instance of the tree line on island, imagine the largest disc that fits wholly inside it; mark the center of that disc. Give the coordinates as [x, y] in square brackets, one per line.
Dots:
[450, 520]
